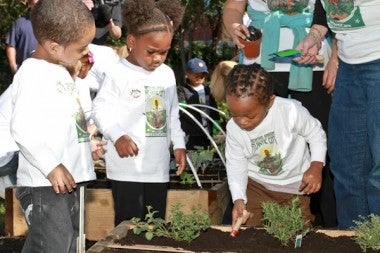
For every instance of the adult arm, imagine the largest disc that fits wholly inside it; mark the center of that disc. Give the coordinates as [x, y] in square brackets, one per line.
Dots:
[331, 69]
[11, 56]
[114, 30]
[233, 14]
[114, 26]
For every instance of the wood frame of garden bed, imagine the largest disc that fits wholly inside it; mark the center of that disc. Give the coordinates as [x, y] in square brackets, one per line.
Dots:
[99, 218]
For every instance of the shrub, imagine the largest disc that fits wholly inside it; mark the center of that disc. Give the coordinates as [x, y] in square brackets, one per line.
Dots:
[181, 226]
[367, 232]
[284, 222]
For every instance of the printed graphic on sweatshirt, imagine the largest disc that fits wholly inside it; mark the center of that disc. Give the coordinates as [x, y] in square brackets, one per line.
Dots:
[81, 125]
[69, 88]
[289, 7]
[343, 14]
[155, 111]
[268, 159]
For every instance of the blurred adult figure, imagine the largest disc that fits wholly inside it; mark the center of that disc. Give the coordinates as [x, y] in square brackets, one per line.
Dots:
[21, 41]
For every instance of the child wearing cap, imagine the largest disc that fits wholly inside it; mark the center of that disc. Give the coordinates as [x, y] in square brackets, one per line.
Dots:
[196, 92]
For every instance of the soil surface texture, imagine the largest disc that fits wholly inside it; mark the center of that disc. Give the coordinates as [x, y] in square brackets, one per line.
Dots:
[250, 240]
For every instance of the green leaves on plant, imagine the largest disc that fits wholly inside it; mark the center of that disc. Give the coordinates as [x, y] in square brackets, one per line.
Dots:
[182, 227]
[201, 158]
[284, 222]
[367, 232]
[186, 178]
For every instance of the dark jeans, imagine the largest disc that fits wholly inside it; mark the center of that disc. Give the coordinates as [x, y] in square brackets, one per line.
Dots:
[53, 219]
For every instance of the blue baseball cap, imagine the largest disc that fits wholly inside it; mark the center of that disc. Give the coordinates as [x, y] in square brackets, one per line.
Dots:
[196, 65]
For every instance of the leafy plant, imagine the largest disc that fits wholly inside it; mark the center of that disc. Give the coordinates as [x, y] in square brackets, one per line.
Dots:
[181, 226]
[201, 158]
[284, 222]
[367, 232]
[186, 178]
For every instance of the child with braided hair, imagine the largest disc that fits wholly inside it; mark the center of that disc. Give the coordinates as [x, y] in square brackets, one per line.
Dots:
[137, 111]
[275, 150]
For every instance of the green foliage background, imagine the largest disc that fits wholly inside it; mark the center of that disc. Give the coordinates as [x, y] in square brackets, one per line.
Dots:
[198, 14]
[10, 10]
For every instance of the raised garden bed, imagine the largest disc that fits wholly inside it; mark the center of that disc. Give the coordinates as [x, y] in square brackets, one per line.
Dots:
[99, 220]
[218, 239]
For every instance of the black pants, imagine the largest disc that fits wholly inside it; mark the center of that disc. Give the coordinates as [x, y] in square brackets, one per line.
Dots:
[132, 198]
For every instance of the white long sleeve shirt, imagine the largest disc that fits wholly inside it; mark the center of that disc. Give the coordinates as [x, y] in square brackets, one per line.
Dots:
[143, 105]
[48, 124]
[8, 146]
[276, 153]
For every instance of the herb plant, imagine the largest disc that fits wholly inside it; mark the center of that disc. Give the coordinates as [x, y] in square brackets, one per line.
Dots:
[181, 226]
[186, 178]
[284, 222]
[367, 232]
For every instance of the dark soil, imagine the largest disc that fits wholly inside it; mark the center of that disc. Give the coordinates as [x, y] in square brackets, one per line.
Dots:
[247, 241]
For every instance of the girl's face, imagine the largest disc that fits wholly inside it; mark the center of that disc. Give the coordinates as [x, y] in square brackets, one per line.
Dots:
[149, 51]
[247, 112]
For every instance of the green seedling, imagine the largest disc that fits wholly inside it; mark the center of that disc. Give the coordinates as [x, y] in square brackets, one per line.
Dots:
[181, 226]
[284, 222]
[186, 178]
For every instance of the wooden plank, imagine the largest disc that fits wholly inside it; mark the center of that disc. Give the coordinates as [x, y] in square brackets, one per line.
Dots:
[99, 214]
[15, 224]
[99, 218]
[187, 199]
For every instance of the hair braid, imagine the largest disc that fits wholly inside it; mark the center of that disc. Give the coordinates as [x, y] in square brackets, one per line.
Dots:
[250, 80]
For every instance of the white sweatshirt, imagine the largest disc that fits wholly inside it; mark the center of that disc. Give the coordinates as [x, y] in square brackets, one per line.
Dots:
[275, 153]
[143, 105]
[48, 124]
[8, 145]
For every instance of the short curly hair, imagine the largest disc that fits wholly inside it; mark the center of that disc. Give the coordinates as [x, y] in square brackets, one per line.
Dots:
[250, 80]
[142, 17]
[60, 21]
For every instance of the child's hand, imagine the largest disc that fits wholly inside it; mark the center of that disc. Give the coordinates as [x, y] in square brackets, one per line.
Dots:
[180, 159]
[312, 178]
[61, 179]
[237, 211]
[97, 150]
[126, 147]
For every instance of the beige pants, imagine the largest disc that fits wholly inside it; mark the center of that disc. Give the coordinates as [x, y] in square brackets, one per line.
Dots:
[257, 194]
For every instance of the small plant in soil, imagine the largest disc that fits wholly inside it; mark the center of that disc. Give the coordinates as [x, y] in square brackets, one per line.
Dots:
[367, 232]
[201, 158]
[284, 222]
[186, 178]
[181, 226]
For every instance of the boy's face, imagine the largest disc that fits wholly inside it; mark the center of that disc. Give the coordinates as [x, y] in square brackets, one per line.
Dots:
[149, 51]
[69, 54]
[247, 112]
[196, 79]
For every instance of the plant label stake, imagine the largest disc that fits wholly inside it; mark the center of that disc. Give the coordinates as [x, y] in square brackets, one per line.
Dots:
[298, 242]
[81, 240]
[238, 223]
